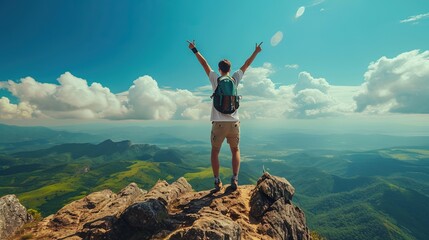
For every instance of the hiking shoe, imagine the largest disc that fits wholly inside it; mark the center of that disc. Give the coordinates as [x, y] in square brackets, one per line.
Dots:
[234, 184]
[218, 185]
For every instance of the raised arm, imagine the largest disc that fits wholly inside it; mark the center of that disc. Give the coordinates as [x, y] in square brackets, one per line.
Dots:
[249, 61]
[200, 57]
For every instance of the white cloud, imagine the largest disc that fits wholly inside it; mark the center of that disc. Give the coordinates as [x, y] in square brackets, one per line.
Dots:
[13, 111]
[312, 98]
[306, 81]
[277, 38]
[261, 98]
[74, 98]
[197, 112]
[293, 66]
[300, 12]
[309, 98]
[343, 95]
[147, 101]
[312, 103]
[414, 19]
[29, 90]
[399, 84]
[96, 101]
[257, 83]
[188, 105]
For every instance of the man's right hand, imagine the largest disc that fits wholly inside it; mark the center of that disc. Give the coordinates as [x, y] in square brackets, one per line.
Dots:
[191, 44]
[258, 47]
[200, 58]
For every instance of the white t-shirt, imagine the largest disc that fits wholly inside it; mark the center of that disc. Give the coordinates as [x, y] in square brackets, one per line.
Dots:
[216, 115]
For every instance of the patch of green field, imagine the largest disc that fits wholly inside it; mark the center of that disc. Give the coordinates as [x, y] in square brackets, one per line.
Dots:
[424, 152]
[143, 173]
[405, 154]
[206, 173]
[38, 197]
[203, 178]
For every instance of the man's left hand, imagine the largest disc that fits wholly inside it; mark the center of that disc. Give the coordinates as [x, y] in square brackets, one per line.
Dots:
[191, 44]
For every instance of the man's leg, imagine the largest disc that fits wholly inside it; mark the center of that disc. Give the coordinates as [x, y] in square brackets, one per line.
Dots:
[235, 152]
[215, 161]
[233, 140]
[217, 137]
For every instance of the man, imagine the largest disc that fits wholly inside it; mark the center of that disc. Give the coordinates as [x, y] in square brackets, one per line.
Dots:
[224, 125]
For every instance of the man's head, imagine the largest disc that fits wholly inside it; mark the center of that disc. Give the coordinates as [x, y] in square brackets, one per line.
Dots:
[224, 66]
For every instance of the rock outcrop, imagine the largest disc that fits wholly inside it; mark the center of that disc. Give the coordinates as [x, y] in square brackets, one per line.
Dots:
[175, 211]
[12, 216]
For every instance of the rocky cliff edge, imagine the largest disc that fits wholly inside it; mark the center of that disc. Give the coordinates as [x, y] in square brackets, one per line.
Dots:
[175, 211]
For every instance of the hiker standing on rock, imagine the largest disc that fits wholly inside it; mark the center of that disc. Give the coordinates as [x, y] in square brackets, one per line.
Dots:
[224, 115]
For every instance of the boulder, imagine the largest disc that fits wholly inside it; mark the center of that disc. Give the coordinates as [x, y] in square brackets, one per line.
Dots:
[268, 190]
[12, 216]
[271, 205]
[98, 212]
[210, 225]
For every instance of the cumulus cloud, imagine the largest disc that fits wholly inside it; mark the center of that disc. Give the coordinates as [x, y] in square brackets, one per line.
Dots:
[147, 101]
[399, 84]
[74, 98]
[343, 96]
[257, 82]
[312, 99]
[197, 112]
[309, 98]
[261, 97]
[300, 12]
[415, 19]
[306, 81]
[13, 111]
[277, 38]
[312, 103]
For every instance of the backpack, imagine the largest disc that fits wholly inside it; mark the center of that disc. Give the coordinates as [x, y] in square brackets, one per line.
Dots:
[225, 97]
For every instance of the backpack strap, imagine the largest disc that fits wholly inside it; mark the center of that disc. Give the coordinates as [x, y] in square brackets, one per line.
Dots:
[226, 76]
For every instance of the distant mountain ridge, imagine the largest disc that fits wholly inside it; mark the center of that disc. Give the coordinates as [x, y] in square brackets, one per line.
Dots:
[11, 133]
[77, 150]
[344, 141]
[108, 150]
[18, 138]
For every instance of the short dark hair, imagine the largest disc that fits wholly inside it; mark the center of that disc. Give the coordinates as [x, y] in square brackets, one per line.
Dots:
[224, 65]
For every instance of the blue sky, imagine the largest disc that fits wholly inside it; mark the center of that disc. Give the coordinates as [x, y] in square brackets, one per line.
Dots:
[328, 49]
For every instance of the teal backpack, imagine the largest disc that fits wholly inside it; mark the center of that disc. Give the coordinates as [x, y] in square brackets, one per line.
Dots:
[225, 97]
